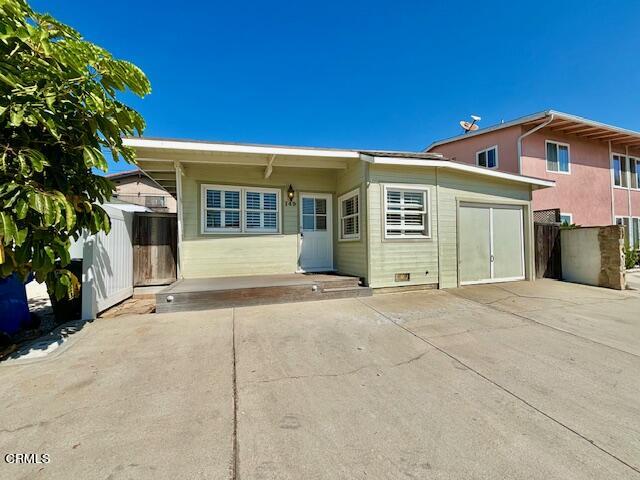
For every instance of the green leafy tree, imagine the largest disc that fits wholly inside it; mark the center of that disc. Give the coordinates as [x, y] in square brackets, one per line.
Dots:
[58, 113]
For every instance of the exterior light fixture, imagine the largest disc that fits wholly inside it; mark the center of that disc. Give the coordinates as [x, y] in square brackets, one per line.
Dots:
[291, 193]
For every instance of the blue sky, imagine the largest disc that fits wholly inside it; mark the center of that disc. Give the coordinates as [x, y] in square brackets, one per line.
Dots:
[365, 74]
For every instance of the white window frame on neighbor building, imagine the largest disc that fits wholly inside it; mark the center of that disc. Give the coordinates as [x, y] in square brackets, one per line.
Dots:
[570, 215]
[625, 168]
[343, 198]
[557, 144]
[627, 223]
[486, 157]
[624, 171]
[242, 210]
[425, 233]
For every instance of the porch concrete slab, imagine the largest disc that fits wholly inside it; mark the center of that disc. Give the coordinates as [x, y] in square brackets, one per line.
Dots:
[338, 390]
[249, 281]
[148, 396]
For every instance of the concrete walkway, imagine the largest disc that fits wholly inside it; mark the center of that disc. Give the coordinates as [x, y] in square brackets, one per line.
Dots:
[510, 381]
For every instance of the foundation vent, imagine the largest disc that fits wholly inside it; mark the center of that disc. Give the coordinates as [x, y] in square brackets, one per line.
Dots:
[403, 277]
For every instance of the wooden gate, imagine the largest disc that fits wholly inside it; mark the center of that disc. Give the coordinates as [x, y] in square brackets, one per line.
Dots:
[548, 254]
[154, 248]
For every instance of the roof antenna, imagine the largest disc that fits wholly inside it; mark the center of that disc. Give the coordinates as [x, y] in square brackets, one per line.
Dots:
[470, 126]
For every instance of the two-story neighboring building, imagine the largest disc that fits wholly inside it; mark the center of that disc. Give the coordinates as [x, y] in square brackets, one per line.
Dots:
[135, 187]
[596, 166]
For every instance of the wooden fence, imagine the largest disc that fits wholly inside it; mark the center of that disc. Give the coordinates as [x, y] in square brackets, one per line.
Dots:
[548, 253]
[154, 248]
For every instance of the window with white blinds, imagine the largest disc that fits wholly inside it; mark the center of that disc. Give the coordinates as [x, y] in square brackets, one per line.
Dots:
[228, 209]
[406, 212]
[350, 215]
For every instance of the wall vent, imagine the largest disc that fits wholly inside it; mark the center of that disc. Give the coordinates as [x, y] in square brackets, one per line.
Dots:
[403, 277]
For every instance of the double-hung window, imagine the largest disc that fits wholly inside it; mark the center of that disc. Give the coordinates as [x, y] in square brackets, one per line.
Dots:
[558, 157]
[488, 158]
[406, 212]
[619, 163]
[228, 209]
[350, 215]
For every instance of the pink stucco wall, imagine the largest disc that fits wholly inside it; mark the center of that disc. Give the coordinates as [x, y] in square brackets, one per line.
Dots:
[585, 192]
[464, 150]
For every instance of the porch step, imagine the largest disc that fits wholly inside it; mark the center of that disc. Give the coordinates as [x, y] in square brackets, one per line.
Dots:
[211, 294]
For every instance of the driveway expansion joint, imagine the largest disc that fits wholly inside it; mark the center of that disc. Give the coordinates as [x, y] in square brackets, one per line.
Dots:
[501, 387]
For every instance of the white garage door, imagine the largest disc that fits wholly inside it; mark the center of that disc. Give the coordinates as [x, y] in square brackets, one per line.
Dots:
[491, 243]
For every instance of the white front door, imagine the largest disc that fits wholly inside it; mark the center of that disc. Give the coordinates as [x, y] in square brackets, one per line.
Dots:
[316, 232]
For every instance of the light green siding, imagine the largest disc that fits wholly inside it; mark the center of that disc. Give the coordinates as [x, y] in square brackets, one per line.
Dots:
[351, 255]
[215, 255]
[455, 187]
[418, 257]
[438, 255]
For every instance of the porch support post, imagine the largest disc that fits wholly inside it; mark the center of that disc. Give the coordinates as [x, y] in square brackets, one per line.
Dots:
[179, 174]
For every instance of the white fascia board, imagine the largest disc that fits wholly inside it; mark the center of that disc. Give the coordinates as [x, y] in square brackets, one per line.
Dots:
[499, 126]
[235, 148]
[416, 162]
[530, 118]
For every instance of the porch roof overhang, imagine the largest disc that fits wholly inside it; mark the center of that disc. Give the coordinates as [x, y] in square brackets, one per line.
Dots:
[562, 124]
[158, 158]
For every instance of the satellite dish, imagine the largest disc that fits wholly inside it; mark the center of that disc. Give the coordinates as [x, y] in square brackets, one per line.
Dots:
[468, 126]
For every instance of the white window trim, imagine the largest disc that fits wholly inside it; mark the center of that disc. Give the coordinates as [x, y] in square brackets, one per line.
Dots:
[570, 215]
[407, 186]
[625, 160]
[354, 237]
[633, 242]
[243, 229]
[546, 160]
[486, 150]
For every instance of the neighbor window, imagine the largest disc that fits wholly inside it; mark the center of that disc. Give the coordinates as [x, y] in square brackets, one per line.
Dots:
[620, 171]
[631, 230]
[558, 157]
[487, 158]
[350, 215]
[634, 172]
[240, 209]
[566, 219]
[406, 212]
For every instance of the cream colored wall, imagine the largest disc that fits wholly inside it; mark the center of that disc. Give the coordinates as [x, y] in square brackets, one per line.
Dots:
[351, 255]
[144, 186]
[438, 255]
[215, 255]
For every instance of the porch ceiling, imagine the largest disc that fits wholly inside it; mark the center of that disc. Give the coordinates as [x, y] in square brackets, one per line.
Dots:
[158, 157]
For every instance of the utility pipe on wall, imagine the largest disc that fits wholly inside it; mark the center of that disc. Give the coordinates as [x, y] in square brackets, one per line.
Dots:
[526, 134]
[613, 213]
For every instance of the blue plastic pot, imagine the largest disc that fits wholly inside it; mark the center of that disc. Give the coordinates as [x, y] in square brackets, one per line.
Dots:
[14, 307]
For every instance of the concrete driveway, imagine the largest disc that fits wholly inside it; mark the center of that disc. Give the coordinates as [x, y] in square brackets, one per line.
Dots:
[510, 381]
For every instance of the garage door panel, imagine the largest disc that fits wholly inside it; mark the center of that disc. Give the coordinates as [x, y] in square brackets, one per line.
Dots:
[475, 248]
[507, 243]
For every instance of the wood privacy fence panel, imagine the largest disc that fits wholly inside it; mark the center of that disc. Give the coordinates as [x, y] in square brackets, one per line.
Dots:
[155, 237]
[548, 253]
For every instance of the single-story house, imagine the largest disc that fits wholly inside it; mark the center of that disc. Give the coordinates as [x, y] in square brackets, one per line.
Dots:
[391, 218]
